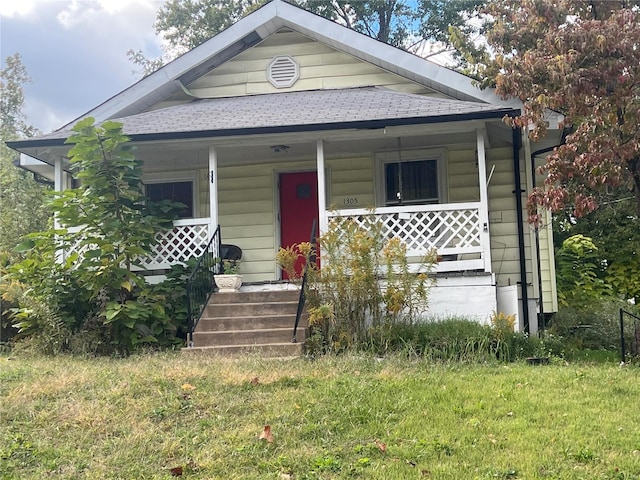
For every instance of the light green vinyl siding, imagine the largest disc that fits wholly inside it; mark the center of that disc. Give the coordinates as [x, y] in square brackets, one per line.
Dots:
[462, 175]
[203, 192]
[320, 67]
[352, 182]
[248, 200]
[503, 220]
[547, 267]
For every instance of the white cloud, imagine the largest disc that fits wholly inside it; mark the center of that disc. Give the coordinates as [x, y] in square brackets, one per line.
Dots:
[14, 9]
[75, 51]
[87, 12]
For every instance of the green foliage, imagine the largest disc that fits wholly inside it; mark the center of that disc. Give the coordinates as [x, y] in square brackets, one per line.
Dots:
[21, 197]
[419, 27]
[614, 229]
[95, 290]
[365, 282]
[452, 340]
[595, 328]
[579, 273]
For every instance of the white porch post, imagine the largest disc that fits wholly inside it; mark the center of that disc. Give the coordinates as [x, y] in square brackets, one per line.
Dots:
[485, 240]
[58, 184]
[213, 191]
[322, 199]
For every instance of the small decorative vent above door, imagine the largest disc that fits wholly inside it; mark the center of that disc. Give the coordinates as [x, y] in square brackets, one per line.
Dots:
[283, 71]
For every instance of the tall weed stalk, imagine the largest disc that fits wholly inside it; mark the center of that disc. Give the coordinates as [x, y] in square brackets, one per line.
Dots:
[365, 281]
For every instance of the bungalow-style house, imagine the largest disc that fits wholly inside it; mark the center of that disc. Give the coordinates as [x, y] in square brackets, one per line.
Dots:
[287, 117]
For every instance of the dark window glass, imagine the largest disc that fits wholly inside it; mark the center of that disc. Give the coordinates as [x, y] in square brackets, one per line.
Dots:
[175, 191]
[412, 182]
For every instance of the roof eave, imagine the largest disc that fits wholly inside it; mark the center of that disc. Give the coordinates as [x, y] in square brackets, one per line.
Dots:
[21, 145]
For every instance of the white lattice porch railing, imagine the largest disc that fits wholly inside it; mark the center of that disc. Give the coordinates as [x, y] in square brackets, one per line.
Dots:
[453, 230]
[187, 239]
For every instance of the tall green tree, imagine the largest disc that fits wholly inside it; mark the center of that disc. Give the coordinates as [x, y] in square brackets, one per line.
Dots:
[582, 59]
[21, 198]
[185, 24]
[613, 228]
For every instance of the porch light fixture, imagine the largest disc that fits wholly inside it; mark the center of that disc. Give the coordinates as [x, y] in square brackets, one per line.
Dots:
[280, 148]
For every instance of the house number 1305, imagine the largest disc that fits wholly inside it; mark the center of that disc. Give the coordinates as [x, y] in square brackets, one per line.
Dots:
[350, 201]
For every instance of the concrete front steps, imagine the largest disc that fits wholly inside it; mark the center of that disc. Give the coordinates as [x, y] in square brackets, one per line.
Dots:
[259, 323]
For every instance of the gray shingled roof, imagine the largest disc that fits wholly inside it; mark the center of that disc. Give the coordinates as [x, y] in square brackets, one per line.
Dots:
[306, 110]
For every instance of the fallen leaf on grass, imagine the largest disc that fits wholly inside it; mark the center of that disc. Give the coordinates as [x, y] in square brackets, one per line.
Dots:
[176, 471]
[381, 446]
[266, 434]
[187, 387]
[255, 381]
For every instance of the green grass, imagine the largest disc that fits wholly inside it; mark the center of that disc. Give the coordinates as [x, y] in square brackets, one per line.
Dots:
[139, 417]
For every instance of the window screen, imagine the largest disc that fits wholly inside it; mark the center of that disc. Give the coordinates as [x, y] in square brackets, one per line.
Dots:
[411, 182]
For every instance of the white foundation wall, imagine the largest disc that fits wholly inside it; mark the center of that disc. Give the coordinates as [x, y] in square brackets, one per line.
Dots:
[470, 297]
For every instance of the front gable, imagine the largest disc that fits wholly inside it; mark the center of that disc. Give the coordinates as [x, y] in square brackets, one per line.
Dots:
[331, 56]
[320, 67]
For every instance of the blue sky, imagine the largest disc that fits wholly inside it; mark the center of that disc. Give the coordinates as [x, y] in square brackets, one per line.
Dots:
[75, 51]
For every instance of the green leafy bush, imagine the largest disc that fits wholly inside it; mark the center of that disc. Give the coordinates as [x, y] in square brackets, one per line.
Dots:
[593, 328]
[96, 293]
[580, 274]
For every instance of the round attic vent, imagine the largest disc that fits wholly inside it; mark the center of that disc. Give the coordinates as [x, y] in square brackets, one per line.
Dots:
[283, 71]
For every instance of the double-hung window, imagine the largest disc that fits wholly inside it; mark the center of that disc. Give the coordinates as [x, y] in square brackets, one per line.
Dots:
[411, 178]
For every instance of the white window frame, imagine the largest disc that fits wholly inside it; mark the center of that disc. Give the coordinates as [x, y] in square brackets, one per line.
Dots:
[394, 156]
[171, 177]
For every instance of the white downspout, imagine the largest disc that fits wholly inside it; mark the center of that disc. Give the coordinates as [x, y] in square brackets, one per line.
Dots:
[322, 199]
[213, 191]
[485, 239]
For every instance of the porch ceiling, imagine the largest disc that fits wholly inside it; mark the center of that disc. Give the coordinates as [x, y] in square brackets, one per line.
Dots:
[162, 156]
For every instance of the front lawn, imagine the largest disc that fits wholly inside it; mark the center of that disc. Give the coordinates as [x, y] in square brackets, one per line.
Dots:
[167, 415]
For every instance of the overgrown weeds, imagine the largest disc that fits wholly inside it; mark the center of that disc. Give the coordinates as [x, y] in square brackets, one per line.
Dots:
[366, 283]
[595, 326]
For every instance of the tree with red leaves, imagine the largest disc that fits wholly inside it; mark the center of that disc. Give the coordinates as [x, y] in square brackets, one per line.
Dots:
[582, 59]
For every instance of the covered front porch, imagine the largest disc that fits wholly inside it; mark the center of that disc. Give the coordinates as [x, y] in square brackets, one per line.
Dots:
[435, 174]
[244, 197]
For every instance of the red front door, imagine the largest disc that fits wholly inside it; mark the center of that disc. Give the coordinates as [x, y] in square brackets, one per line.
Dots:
[298, 209]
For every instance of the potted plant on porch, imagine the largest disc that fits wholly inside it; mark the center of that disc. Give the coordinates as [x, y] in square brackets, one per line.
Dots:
[230, 279]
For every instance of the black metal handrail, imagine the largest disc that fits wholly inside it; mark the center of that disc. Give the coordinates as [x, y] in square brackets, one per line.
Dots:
[636, 332]
[200, 283]
[303, 296]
